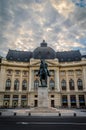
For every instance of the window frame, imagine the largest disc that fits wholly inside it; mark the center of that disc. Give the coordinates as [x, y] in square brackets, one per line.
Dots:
[8, 84]
[16, 84]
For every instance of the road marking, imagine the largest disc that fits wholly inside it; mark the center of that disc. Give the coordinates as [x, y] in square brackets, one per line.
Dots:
[23, 123]
[50, 123]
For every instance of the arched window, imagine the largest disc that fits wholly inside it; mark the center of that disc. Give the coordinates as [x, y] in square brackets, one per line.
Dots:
[71, 84]
[16, 84]
[79, 84]
[63, 84]
[52, 84]
[36, 84]
[8, 84]
[24, 85]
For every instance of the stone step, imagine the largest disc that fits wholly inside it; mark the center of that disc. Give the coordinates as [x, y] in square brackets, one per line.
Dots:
[43, 110]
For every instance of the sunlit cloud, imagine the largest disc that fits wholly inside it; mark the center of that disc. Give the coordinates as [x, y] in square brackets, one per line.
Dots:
[25, 23]
[64, 7]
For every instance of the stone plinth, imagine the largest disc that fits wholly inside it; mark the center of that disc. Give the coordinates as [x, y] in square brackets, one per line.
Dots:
[43, 97]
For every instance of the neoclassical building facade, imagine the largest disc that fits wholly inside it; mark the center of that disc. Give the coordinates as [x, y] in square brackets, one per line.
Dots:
[19, 83]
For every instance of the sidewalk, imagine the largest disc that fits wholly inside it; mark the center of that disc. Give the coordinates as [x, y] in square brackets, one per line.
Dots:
[62, 112]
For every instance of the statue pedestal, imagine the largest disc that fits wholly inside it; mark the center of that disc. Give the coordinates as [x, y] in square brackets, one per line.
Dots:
[43, 97]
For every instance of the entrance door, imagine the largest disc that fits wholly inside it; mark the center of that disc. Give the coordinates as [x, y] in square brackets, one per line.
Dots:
[35, 103]
[52, 103]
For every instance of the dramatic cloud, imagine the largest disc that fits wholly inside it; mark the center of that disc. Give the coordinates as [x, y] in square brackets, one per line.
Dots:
[25, 23]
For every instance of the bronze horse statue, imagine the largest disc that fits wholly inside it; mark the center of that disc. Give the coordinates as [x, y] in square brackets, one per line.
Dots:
[43, 73]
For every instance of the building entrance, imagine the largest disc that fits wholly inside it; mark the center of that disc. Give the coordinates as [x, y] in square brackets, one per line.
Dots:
[52, 103]
[35, 103]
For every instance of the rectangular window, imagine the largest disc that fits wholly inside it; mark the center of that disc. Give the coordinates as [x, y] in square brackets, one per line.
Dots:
[64, 98]
[73, 100]
[82, 101]
[35, 72]
[64, 101]
[15, 97]
[62, 73]
[23, 97]
[25, 73]
[9, 72]
[52, 96]
[51, 72]
[6, 97]
[78, 72]
[36, 96]
[70, 72]
[17, 72]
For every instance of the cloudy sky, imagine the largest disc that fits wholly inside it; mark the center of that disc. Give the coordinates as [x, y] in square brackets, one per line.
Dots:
[25, 23]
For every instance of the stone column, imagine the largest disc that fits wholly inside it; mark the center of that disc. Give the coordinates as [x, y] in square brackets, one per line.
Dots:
[77, 101]
[20, 85]
[28, 82]
[28, 100]
[32, 83]
[57, 85]
[67, 81]
[1, 100]
[68, 97]
[31, 79]
[48, 83]
[85, 99]
[30, 74]
[19, 101]
[11, 100]
[84, 78]
[12, 84]
[2, 78]
[75, 81]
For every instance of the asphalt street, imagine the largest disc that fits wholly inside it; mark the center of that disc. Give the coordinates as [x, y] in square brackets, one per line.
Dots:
[42, 123]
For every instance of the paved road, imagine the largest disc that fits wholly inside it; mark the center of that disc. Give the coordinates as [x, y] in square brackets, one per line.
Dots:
[42, 123]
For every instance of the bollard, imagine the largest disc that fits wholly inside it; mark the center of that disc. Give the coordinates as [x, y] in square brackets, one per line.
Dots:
[14, 113]
[29, 114]
[59, 114]
[74, 114]
[0, 113]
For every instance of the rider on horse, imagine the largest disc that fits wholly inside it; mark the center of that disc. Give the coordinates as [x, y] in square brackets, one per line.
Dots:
[43, 72]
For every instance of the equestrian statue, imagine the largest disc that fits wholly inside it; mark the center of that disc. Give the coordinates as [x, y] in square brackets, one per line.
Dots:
[43, 73]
